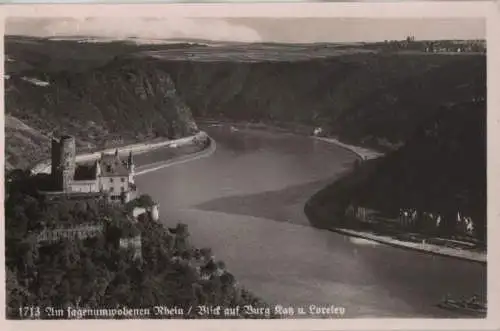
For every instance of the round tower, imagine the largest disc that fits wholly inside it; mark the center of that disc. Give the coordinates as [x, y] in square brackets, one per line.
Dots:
[55, 158]
[63, 162]
[154, 212]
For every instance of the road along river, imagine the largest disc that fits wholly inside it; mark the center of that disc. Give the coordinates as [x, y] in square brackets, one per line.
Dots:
[246, 202]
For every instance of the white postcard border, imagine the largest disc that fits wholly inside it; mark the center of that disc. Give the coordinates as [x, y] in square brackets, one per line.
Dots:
[487, 9]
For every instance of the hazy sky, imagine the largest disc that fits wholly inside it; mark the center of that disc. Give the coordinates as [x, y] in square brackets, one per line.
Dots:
[204, 1]
[252, 29]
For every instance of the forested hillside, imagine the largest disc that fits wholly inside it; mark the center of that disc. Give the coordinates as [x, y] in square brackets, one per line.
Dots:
[373, 99]
[96, 272]
[441, 170]
[101, 104]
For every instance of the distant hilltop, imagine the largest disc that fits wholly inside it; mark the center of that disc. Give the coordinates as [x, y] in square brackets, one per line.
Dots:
[338, 87]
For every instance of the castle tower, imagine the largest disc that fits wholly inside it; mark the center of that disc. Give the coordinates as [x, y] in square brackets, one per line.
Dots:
[154, 212]
[55, 157]
[63, 162]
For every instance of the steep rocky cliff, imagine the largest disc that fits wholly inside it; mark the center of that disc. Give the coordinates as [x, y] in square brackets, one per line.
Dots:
[106, 96]
[103, 106]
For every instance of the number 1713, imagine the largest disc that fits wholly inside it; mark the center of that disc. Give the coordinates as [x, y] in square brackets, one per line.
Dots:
[29, 312]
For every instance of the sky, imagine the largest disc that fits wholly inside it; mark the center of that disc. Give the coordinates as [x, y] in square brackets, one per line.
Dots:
[300, 30]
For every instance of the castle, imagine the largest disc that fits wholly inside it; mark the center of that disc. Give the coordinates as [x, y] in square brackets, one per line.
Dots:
[107, 176]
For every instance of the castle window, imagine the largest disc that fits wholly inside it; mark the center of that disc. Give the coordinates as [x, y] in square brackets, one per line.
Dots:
[111, 189]
[123, 189]
[111, 180]
[123, 180]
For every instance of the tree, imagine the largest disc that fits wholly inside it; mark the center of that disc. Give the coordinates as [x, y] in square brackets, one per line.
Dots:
[145, 200]
[16, 295]
[96, 272]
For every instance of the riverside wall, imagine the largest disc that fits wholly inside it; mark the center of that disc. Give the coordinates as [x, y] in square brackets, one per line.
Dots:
[138, 148]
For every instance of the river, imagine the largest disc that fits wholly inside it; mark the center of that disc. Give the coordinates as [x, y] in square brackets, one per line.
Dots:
[246, 202]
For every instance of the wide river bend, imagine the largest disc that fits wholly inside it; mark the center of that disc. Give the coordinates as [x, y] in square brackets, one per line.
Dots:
[246, 202]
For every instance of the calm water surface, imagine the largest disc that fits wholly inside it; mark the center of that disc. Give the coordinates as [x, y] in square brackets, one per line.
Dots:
[246, 202]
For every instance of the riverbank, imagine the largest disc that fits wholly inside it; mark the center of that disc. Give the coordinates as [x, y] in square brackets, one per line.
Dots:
[420, 245]
[208, 150]
[138, 148]
[261, 211]
[365, 154]
[362, 152]
[475, 256]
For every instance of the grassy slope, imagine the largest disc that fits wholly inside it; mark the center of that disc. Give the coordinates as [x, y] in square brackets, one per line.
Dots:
[24, 144]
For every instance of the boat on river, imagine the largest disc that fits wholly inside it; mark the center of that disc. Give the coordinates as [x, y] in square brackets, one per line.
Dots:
[472, 305]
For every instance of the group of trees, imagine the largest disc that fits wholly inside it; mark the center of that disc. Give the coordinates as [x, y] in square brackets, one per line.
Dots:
[96, 272]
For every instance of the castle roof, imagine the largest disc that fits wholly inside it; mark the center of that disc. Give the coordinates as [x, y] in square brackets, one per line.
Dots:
[85, 171]
[112, 166]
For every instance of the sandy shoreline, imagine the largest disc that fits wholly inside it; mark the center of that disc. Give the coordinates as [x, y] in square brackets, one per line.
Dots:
[363, 153]
[367, 154]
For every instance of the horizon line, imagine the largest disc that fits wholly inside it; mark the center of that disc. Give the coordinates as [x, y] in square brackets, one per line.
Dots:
[201, 40]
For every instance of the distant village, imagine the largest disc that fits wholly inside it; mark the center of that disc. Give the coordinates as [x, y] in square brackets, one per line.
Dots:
[434, 46]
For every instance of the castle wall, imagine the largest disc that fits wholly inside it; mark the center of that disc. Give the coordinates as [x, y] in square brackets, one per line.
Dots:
[63, 167]
[134, 243]
[85, 186]
[138, 211]
[115, 185]
[152, 211]
[155, 213]
[71, 232]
